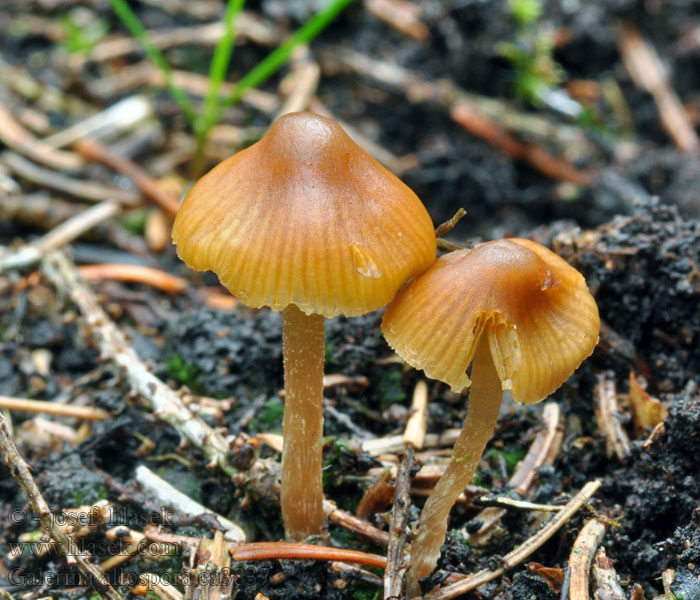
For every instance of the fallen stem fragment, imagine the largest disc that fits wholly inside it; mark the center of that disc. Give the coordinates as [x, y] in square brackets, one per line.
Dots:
[88, 413]
[88, 190]
[581, 558]
[166, 403]
[156, 487]
[449, 225]
[135, 274]
[59, 236]
[396, 562]
[511, 503]
[518, 555]
[350, 522]
[20, 472]
[15, 136]
[93, 150]
[291, 550]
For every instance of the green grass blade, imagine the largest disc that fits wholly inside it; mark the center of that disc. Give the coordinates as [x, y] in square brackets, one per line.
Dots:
[219, 66]
[280, 55]
[133, 24]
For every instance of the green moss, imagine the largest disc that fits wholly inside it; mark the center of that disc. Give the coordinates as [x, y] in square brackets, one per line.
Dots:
[391, 388]
[270, 417]
[185, 373]
[329, 351]
[134, 221]
[511, 453]
[80, 39]
[365, 593]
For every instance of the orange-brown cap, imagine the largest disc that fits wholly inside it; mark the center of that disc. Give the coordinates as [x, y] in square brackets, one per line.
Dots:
[306, 217]
[540, 320]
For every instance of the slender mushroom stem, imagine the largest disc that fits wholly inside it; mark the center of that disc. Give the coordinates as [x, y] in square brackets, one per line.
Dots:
[482, 414]
[302, 487]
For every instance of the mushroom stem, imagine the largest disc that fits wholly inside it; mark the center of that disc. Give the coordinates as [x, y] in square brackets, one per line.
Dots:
[302, 487]
[482, 414]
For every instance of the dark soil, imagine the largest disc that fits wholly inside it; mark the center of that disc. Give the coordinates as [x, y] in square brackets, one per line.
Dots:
[634, 233]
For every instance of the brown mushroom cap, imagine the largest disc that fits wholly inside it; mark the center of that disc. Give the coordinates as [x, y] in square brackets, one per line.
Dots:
[540, 320]
[306, 217]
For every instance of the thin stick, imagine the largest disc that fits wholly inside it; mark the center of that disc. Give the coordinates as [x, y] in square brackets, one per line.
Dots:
[290, 550]
[166, 404]
[518, 555]
[136, 274]
[396, 563]
[607, 581]
[61, 235]
[52, 408]
[448, 225]
[156, 487]
[20, 472]
[93, 150]
[15, 136]
[395, 443]
[414, 434]
[510, 503]
[350, 522]
[206, 34]
[402, 15]
[645, 69]
[122, 115]
[487, 129]
[606, 410]
[86, 190]
[305, 80]
[581, 558]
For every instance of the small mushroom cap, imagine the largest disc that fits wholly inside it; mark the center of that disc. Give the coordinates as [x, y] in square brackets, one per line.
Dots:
[306, 217]
[540, 320]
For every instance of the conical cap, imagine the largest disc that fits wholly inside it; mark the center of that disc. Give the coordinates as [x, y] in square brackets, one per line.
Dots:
[533, 307]
[306, 217]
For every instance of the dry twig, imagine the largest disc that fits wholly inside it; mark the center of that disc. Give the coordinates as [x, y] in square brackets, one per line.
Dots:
[348, 521]
[606, 580]
[87, 190]
[136, 274]
[20, 472]
[581, 558]
[291, 550]
[156, 487]
[538, 157]
[61, 235]
[15, 136]
[606, 412]
[167, 404]
[396, 563]
[414, 434]
[401, 15]
[53, 408]
[93, 150]
[647, 72]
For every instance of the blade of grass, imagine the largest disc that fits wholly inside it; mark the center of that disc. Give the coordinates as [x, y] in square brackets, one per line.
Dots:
[133, 24]
[218, 68]
[280, 55]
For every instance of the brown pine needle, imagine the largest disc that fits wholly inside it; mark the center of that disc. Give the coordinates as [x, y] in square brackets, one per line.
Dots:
[53, 408]
[278, 550]
[135, 274]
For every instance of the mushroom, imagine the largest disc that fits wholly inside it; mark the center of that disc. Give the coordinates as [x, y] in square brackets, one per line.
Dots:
[523, 319]
[306, 222]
